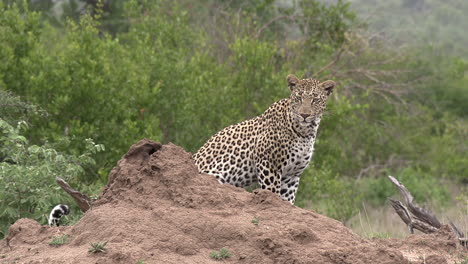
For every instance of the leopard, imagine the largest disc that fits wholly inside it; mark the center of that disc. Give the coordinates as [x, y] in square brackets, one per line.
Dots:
[274, 148]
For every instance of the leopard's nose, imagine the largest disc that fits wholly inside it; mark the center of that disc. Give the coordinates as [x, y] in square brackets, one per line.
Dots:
[305, 115]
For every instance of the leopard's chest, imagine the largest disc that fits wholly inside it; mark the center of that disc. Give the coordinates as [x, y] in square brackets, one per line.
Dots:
[298, 157]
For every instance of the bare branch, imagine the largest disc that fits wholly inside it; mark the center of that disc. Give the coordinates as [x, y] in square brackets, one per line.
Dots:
[402, 211]
[411, 214]
[417, 212]
[406, 194]
[424, 215]
[461, 237]
[83, 201]
[456, 230]
[267, 24]
[335, 60]
[378, 167]
[410, 220]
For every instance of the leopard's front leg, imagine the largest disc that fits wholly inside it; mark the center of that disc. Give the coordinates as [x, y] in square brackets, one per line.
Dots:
[289, 186]
[268, 176]
[269, 158]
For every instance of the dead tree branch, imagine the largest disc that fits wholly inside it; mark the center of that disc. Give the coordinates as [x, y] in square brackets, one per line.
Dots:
[459, 233]
[83, 201]
[410, 220]
[406, 194]
[416, 217]
[417, 212]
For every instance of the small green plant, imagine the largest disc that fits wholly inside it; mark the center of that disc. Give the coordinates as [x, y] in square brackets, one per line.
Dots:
[59, 240]
[380, 235]
[255, 221]
[221, 254]
[140, 261]
[97, 247]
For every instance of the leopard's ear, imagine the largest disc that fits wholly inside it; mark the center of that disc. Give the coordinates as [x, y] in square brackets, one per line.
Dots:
[328, 86]
[292, 81]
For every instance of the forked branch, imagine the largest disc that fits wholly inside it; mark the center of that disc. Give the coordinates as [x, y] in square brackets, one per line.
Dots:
[416, 217]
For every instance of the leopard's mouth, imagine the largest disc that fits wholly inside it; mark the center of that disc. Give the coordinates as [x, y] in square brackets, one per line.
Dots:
[310, 120]
[307, 119]
[307, 123]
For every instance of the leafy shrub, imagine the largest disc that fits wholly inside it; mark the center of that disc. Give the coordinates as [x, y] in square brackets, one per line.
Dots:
[424, 187]
[324, 191]
[28, 171]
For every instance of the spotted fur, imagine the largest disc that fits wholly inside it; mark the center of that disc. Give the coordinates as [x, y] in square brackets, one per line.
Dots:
[57, 213]
[273, 148]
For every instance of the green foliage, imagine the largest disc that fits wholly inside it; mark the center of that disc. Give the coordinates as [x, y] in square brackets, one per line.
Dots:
[325, 24]
[221, 254]
[323, 190]
[97, 247]
[28, 171]
[74, 79]
[59, 240]
[27, 175]
[13, 109]
[180, 71]
[423, 187]
[434, 28]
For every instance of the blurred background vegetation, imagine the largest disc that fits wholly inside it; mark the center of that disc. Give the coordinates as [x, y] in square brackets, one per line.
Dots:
[75, 72]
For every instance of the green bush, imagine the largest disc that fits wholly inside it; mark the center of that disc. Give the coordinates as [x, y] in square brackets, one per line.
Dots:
[424, 187]
[323, 190]
[28, 172]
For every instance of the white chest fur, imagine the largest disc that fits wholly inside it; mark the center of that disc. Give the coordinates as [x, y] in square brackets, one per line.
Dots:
[298, 157]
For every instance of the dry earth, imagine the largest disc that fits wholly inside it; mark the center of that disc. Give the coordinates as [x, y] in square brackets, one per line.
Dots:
[157, 208]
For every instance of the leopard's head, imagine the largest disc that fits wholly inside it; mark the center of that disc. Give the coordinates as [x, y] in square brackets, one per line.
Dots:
[308, 99]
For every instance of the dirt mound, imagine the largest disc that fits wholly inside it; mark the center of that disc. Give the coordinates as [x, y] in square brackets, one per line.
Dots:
[157, 208]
